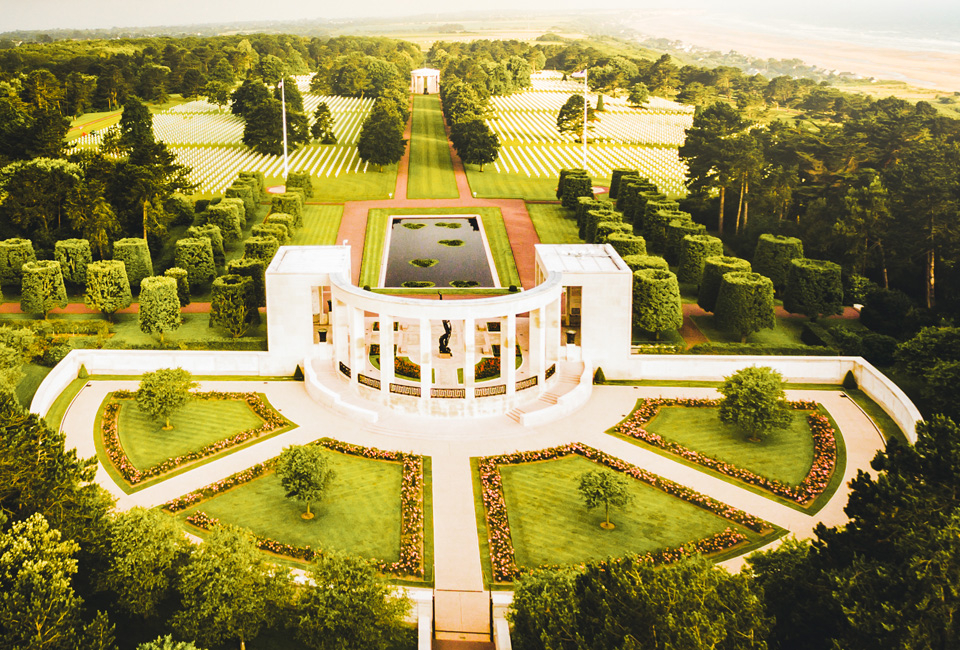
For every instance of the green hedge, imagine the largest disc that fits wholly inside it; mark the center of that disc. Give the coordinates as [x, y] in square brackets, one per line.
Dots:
[606, 228]
[301, 179]
[677, 229]
[656, 301]
[814, 288]
[14, 253]
[211, 232]
[289, 203]
[227, 217]
[593, 219]
[42, 287]
[745, 303]
[816, 334]
[245, 192]
[714, 269]
[615, 176]
[276, 230]
[640, 262]
[761, 349]
[261, 248]
[183, 283]
[627, 244]
[694, 251]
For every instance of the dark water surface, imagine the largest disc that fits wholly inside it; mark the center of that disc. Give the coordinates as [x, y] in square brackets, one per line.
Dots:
[467, 262]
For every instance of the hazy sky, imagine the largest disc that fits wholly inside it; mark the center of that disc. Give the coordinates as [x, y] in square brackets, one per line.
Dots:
[48, 14]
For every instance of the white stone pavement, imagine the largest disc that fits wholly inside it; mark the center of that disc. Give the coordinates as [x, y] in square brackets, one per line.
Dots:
[451, 443]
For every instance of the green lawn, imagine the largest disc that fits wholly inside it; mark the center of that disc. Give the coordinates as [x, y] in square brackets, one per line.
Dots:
[493, 226]
[359, 186]
[431, 171]
[489, 184]
[786, 456]
[320, 226]
[33, 374]
[359, 513]
[550, 525]
[554, 223]
[195, 327]
[786, 332]
[196, 425]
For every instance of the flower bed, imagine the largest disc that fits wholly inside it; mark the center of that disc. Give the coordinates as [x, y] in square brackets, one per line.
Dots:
[812, 486]
[410, 563]
[110, 432]
[502, 557]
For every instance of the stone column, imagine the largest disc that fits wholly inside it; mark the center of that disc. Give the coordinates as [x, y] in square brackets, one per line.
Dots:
[426, 357]
[537, 351]
[358, 347]
[386, 353]
[469, 356]
[340, 327]
[508, 354]
[552, 333]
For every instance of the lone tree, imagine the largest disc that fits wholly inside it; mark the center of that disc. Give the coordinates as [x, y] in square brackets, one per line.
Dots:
[322, 128]
[381, 138]
[570, 117]
[304, 473]
[753, 401]
[607, 488]
[162, 392]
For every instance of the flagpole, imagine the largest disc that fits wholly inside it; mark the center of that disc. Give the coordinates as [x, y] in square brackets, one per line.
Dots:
[585, 118]
[283, 112]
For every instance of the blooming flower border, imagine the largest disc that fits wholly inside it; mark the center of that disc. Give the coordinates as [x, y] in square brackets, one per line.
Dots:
[812, 486]
[411, 561]
[110, 433]
[502, 557]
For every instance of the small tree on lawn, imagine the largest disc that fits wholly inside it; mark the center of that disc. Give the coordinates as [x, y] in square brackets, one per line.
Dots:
[607, 488]
[163, 392]
[42, 288]
[159, 306]
[108, 289]
[754, 402]
[304, 473]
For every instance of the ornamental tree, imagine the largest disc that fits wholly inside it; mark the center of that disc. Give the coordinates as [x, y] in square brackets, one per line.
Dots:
[167, 643]
[135, 255]
[289, 203]
[211, 232]
[656, 301]
[754, 402]
[640, 262]
[42, 288]
[163, 392]
[159, 306]
[195, 255]
[694, 250]
[246, 192]
[745, 303]
[228, 590]
[227, 217]
[107, 287]
[304, 473]
[814, 288]
[714, 269]
[772, 257]
[183, 286]
[302, 179]
[674, 233]
[14, 253]
[73, 255]
[233, 304]
[607, 488]
[615, 176]
[348, 605]
[322, 127]
[261, 248]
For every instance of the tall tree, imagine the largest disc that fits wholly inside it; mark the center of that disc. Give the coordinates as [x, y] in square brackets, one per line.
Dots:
[475, 142]
[322, 127]
[570, 116]
[381, 138]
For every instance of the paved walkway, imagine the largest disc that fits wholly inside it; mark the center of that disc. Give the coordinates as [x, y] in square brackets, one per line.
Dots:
[451, 444]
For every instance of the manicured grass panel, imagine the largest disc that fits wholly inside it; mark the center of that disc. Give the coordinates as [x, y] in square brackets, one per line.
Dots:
[58, 409]
[490, 184]
[196, 425]
[431, 171]
[360, 186]
[554, 224]
[787, 332]
[320, 226]
[786, 455]
[550, 525]
[33, 374]
[359, 514]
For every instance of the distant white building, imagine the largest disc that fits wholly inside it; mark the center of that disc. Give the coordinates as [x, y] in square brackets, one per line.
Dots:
[425, 81]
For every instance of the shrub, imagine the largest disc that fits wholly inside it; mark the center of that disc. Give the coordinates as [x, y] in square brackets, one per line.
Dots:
[283, 219]
[879, 349]
[227, 217]
[816, 334]
[813, 288]
[656, 301]
[246, 192]
[211, 232]
[640, 262]
[562, 179]
[301, 179]
[676, 230]
[73, 255]
[745, 303]
[195, 255]
[135, 255]
[849, 381]
[42, 287]
[14, 253]
[180, 209]
[108, 289]
[607, 228]
[258, 178]
[261, 248]
[574, 187]
[253, 268]
[276, 230]
[159, 306]
[183, 284]
[627, 244]
[848, 341]
[773, 255]
[694, 251]
[888, 311]
[231, 304]
[615, 176]
[655, 227]
[290, 203]
[593, 218]
[856, 288]
[714, 268]
[754, 349]
[599, 377]
[241, 209]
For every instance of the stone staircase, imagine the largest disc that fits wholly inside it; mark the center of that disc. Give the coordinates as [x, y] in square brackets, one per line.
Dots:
[570, 377]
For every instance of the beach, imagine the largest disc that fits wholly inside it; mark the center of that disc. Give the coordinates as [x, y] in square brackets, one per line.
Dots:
[920, 67]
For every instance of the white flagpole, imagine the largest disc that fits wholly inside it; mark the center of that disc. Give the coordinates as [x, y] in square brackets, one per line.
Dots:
[283, 112]
[585, 118]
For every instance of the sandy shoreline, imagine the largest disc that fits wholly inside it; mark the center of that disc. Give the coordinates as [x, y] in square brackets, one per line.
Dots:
[939, 70]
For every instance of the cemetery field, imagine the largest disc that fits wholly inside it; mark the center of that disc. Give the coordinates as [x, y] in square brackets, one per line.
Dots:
[431, 170]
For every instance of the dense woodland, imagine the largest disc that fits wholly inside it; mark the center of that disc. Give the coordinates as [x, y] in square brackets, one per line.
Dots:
[870, 184]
